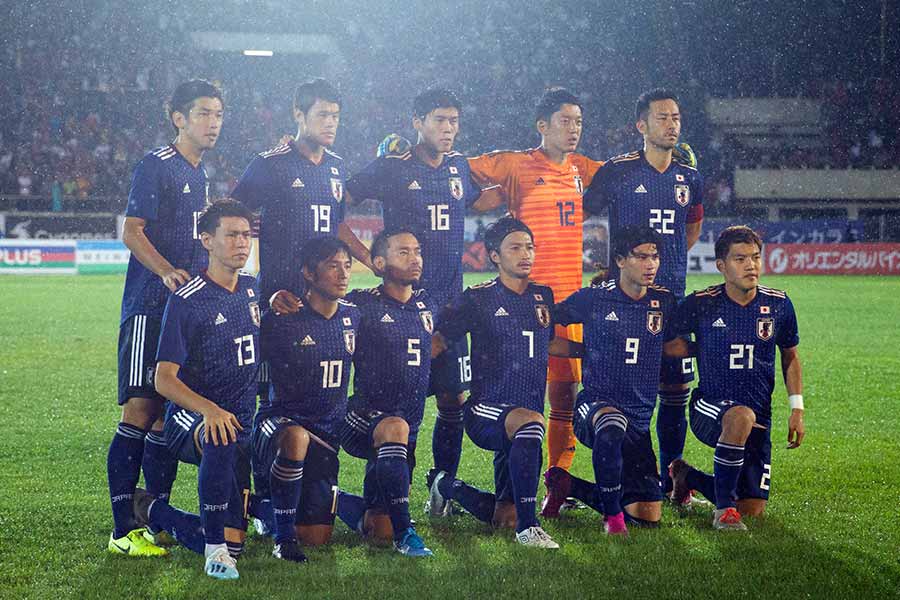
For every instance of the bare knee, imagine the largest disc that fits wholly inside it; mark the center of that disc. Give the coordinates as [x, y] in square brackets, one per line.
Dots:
[649, 513]
[391, 430]
[142, 412]
[737, 423]
[293, 442]
[518, 418]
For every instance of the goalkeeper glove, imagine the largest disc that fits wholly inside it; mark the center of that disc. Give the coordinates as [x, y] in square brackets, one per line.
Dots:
[684, 154]
[393, 144]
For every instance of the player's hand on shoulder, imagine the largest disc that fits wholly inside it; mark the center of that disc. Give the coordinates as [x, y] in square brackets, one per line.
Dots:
[285, 140]
[683, 153]
[220, 426]
[796, 429]
[175, 278]
[393, 144]
[284, 302]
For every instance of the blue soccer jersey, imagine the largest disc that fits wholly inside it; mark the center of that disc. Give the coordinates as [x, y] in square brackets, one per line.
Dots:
[393, 354]
[309, 360]
[169, 193]
[213, 335]
[623, 341]
[635, 193]
[429, 201]
[511, 333]
[736, 344]
[297, 200]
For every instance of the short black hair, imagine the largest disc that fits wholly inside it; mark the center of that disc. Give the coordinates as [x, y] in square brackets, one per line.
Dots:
[319, 249]
[736, 234]
[642, 106]
[209, 219]
[552, 101]
[308, 92]
[432, 99]
[186, 93]
[497, 231]
[380, 243]
[629, 238]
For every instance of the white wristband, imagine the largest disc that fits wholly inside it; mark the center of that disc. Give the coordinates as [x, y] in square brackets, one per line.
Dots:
[796, 401]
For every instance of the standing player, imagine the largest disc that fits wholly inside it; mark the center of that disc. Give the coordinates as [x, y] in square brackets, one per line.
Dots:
[509, 319]
[543, 188]
[737, 326]
[207, 365]
[168, 192]
[624, 321]
[427, 189]
[650, 187]
[297, 431]
[391, 366]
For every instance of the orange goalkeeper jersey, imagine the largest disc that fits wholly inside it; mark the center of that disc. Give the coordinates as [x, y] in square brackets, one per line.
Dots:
[547, 197]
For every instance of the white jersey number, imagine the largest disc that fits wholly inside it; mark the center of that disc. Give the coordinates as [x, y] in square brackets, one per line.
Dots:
[440, 217]
[246, 352]
[631, 347]
[332, 373]
[741, 356]
[322, 217]
[662, 220]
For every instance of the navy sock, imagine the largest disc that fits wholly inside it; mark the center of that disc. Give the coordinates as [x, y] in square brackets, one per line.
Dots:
[727, 462]
[586, 491]
[214, 485]
[351, 509]
[123, 469]
[235, 549]
[671, 430]
[446, 440]
[160, 466]
[184, 526]
[703, 483]
[478, 503]
[392, 472]
[609, 432]
[286, 484]
[525, 458]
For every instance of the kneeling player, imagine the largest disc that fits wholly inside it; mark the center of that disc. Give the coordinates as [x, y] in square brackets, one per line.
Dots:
[392, 363]
[622, 351]
[298, 425]
[737, 326]
[509, 319]
[207, 365]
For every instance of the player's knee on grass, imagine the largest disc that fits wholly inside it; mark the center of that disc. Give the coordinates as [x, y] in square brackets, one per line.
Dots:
[144, 413]
[391, 430]
[645, 514]
[751, 507]
[315, 535]
[737, 422]
[518, 418]
[377, 527]
[293, 442]
[603, 411]
[504, 515]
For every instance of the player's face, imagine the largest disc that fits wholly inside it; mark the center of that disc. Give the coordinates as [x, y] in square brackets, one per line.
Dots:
[320, 123]
[332, 276]
[641, 264]
[516, 256]
[742, 267]
[403, 264]
[439, 128]
[230, 245]
[663, 124]
[563, 132]
[203, 123]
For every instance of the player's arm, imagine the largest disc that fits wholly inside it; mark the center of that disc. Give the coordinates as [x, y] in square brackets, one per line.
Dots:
[792, 371]
[566, 348]
[142, 248]
[358, 250]
[679, 325]
[492, 173]
[573, 310]
[218, 423]
[455, 320]
[694, 224]
[491, 198]
[596, 198]
[692, 232]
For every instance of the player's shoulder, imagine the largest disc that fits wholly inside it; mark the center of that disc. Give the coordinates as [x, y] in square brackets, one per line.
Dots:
[622, 162]
[362, 296]
[161, 154]
[347, 308]
[712, 293]
[277, 152]
[333, 156]
[511, 156]
[659, 290]
[541, 292]
[481, 287]
[189, 290]
[771, 292]
[607, 285]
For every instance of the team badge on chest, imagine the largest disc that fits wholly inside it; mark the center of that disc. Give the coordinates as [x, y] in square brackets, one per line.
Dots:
[427, 320]
[456, 187]
[579, 186]
[337, 189]
[254, 312]
[765, 328]
[682, 195]
[350, 340]
[543, 314]
[654, 321]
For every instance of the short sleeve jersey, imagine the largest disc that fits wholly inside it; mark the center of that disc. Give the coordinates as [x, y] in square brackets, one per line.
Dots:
[736, 344]
[309, 360]
[511, 333]
[168, 193]
[623, 340]
[297, 199]
[635, 193]
[213, 334]
[431, 202]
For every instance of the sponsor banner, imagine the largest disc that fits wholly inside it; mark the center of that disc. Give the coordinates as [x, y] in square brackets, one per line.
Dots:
[806, 231]
[61, 226]
[833, 259]
[702, 258]
[28, 257]
[102, 256]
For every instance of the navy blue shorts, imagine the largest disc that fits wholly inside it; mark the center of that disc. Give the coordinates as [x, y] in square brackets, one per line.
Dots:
[485, 424]
[755, 477]
[640, 475]
[179, 431]
[138, 339]
[674, 371]
[451, 371]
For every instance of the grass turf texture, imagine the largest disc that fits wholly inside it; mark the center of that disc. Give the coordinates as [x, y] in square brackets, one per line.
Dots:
[831, 530]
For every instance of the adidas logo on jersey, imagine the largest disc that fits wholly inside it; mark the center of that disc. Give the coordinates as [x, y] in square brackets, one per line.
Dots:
[540, 181]
[386, 318]
[297, 183]
[414, 185]
[718, 323]
[612, 316]
[220, 319]
[640, 189]
[308, 341]
[501, 312]
[186, 190]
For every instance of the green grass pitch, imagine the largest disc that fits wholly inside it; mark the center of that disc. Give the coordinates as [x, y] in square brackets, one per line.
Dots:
[832, 528]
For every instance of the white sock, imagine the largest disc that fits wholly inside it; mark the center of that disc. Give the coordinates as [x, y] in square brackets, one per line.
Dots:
[211, 548]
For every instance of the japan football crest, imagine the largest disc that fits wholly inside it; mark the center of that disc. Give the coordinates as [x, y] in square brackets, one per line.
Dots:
[579, 186]
[427, 321]
[456, 187]
[543, 314]
[654, 321]
[337, 189]
[254, 312]
[765, 328]
[350, 340]
[682, 195]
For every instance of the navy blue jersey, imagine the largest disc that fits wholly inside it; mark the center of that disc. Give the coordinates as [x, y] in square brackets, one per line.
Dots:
[429, 201]
[623, 341]
[510, 337]
[297, 200]
[213, 334]
[309, 360]
[637, 194]
[736, 344]
[169, 193]
[393, 355]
